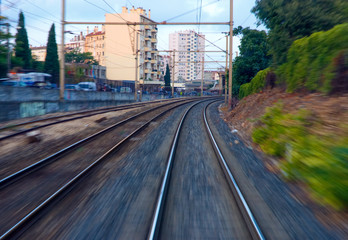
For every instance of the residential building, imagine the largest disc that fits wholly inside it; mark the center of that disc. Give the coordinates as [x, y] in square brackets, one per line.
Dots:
[77, 42]
[39, 53]
[95, 44]
[189, 49]
[122, 42]
[165, 60]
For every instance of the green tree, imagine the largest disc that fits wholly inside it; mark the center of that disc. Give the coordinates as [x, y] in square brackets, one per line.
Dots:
[22, 50]
[3, 54]
[167, 78]
[291, 20]
[253, 57]
[75, 56]
[51, 61]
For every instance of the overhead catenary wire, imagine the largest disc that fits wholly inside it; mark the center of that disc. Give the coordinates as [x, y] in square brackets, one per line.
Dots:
[193, 10]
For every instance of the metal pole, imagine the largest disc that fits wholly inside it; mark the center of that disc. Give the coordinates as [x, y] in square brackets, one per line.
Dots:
[226, 69]
[62, 58]
[231, 51]
[202, 77]
[136, 69]
[220, 84]
[173, 73]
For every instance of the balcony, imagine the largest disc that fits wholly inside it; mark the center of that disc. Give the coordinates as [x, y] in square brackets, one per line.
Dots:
[146, 49]
[147, 70]
[147, 27]
[154, 40]
[154, 30]
[154, 61]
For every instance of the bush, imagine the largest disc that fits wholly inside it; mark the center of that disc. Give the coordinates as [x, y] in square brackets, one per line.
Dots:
[310, 60]
[256, 84]
[319, 161]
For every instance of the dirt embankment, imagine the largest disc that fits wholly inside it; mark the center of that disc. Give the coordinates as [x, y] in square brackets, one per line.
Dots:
[330, 111]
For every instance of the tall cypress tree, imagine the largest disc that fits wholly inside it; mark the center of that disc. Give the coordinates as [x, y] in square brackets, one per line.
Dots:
[51, 61]
[167, 78]
[22, 50]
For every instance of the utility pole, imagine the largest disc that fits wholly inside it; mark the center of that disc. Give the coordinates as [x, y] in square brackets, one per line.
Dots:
[173, 72]
[202, 77]
[231, 51]
[62, 58]
[226, 69]
[136, 69]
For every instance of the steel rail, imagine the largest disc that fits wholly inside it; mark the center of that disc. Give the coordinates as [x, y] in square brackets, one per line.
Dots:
[45, 160]
[155, 224]
[70, 184]
[93, 113]
[242, 204]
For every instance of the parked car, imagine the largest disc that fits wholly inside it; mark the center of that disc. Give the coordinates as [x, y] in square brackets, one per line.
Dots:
[87, 86]
[70, 87]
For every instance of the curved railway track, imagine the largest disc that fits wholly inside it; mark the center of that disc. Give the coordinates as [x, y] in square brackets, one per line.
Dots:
[161, 214]
[162, 204]
[25, 195]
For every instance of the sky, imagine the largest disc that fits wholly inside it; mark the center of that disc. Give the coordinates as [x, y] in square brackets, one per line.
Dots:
[40, 14]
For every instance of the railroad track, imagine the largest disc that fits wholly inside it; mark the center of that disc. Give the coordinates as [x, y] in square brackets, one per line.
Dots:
[175, 194]
[17, 129]
[59, 136]
[163, 210]
[29, 191]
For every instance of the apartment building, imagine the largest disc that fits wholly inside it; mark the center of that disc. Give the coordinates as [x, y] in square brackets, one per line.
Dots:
[95, 44]
[165, 60]
[189, 49]
[122, 41]
[77, 42]
[39, 53]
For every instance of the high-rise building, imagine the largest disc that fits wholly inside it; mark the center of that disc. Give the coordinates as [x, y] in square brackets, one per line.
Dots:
[122, 41]
[189, 49]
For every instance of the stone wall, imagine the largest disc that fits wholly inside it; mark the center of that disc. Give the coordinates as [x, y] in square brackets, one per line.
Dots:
[21, 102]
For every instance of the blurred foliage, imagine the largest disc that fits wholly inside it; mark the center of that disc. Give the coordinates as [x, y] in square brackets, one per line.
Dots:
[288, 21]
[51, 61]
[22, 50]
[75, 73]
[3, 53]
[253, 56]
[319, 161]
[167, 79]
[75, 56]
[37, 66]
[256, 84]
[310, 62]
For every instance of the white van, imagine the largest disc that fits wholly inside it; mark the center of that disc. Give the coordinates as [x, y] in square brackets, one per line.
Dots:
[87, 86]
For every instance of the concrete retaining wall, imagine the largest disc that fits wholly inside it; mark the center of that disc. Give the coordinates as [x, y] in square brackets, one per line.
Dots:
[21, 102]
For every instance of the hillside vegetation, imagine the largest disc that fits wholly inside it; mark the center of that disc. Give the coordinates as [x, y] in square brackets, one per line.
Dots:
[317, 62]
[307, 150]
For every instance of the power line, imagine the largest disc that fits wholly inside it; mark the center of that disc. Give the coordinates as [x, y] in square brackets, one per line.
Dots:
[42, 9]
[185, 13]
